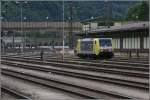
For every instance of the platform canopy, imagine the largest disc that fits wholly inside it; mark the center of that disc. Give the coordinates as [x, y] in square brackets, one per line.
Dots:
[119, 28]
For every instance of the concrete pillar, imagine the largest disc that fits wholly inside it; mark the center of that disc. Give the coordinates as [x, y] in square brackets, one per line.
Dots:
[141, 42]
[121, 42]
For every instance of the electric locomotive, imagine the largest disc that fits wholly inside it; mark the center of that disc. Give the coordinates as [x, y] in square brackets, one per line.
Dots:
[94, 47]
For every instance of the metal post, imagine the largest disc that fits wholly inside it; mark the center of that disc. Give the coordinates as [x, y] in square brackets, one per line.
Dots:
[21, 30]
[86, 30]
[47, 21]
[24, 36]
[24, 39]
[22, 42]
[2, 36]
[108, 13]
[63, 34]
[70, 24]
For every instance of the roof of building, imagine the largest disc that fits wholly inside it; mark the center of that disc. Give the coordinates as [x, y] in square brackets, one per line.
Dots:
[100, 19]
[130, 26]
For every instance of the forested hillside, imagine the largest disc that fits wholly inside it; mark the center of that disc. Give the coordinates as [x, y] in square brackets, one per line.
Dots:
[39, 10]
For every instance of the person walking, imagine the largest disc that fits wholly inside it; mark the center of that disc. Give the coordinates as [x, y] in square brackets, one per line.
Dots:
[42, 54]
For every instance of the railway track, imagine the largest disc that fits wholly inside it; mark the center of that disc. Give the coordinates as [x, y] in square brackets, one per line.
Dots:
[86, 92]
[122, 75]
[21, 55]
[140, 60]
[68, 60]
[120, 60]
[96, 63]
[135, 61]
[112, 59]
[13, 93]
[131, 82]
[114, 70]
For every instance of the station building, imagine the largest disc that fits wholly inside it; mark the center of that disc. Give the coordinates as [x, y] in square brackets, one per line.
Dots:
[129, 38]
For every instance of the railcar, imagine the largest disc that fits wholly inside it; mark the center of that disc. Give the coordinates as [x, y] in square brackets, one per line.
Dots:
[94, 47]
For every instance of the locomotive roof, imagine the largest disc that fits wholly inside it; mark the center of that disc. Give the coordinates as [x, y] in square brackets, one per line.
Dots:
[91, 39]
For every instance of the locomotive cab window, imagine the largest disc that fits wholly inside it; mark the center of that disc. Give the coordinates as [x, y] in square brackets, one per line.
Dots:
[105, 42]
[86, 45]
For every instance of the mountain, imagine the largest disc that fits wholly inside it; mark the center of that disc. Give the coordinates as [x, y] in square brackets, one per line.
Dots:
[81, 10]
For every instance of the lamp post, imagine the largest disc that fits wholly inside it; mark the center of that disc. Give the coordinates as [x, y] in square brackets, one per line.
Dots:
[47, 24]
[71, 10]
[47, 21]
[86, 30]
[21, 8]
[3, 42]
[24, 18]
[137, 17]
[91, 19]
[63, 35]
[108, 13]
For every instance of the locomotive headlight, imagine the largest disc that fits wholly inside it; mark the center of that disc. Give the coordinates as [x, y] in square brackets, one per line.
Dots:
[101, 50]
[110, 50]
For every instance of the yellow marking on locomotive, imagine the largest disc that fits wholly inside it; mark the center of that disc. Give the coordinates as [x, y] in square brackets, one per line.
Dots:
[96, 46]
[78, 46]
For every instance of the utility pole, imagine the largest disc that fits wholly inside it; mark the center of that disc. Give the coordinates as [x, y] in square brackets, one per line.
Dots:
[47, 18]
[108, 14]
[63, 41]
[21, 28]
[70, 25]
[21, 19]
[2, 43]
[24, 34]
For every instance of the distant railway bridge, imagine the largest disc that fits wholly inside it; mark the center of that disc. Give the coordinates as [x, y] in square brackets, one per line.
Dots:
[49, 26]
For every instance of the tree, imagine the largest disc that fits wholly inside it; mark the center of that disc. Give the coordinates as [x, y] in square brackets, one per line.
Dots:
[139, 12]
